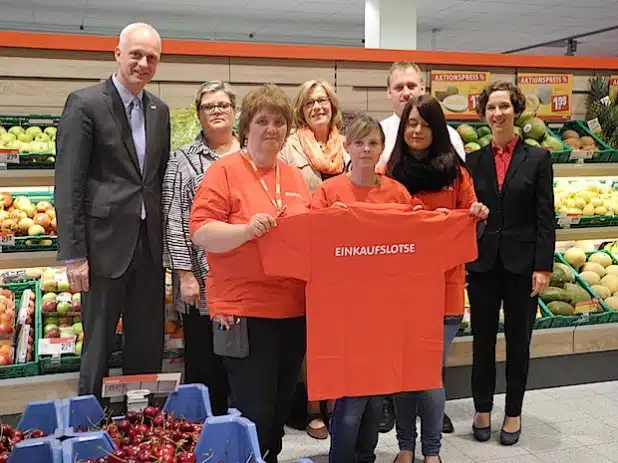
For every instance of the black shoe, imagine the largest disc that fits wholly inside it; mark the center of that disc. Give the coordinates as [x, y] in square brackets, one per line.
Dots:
[482, 434]
[447, 425]
[388, 416]
[510, 438]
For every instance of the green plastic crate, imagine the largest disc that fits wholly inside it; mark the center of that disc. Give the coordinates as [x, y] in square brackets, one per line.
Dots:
[30, 368]
[594, 221]
[604, 316]
[44, 160]
[603, 154]
[21, 241]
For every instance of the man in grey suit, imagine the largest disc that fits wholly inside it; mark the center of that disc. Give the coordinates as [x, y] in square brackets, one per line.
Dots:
[113, 146]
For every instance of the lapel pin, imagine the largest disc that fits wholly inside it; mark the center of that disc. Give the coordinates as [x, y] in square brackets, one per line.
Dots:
[153, 107]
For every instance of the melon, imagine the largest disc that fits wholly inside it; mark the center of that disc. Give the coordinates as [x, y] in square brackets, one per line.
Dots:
[575, 257]
[611, 283]
[594, 267]
[601, 258]
[612, 270]
[612, 302]
[601, 291]
[592, 278]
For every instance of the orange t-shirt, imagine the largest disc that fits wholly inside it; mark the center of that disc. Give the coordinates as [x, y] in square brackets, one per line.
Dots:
[375, 292]
[230, 192]
[459, 196]
[342, 189]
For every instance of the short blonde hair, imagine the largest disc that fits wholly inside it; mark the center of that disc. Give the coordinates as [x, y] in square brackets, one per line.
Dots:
[267, 96]
[361, 127]
[303, 97]
[400, 65]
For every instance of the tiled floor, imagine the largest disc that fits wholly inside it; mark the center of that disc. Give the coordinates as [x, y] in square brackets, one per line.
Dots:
[571, 424]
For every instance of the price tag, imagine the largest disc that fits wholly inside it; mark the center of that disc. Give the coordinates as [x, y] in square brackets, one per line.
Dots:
[473, 101]
[576, 154]
[594, 125]
[158, 383]
[9, 158]
[57, 346]
[7, 240]
[458, 92]
[568, 222]
[560, 103]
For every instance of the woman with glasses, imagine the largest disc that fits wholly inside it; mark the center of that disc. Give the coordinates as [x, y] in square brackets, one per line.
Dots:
[215, 105]
[316, 148]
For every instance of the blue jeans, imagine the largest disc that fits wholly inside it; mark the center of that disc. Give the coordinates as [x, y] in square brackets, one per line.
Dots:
[354, 429]
[429, 405]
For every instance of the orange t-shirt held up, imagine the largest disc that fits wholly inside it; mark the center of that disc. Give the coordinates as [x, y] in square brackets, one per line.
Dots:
[231, 192]
[375, 292]
[342, 189]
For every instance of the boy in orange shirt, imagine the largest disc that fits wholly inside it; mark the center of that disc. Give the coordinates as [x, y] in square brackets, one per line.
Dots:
[355, 422]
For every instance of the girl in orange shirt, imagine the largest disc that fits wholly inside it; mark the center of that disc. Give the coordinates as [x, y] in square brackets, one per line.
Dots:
[426, 163]
[355, 422]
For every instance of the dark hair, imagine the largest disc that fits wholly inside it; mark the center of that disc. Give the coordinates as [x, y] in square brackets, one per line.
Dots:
[442, 156]
[518, 100]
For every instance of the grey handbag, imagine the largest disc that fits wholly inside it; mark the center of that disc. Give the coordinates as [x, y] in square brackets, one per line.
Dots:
[233, 341]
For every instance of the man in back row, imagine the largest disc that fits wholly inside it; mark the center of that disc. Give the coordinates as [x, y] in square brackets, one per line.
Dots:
[405, 80]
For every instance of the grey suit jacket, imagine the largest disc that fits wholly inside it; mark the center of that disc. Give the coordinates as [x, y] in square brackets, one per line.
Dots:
[98, 185]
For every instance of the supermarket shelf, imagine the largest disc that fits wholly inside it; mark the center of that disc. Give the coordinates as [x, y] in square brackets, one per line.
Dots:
[586, 170]
[26, 177]
[570, 234]
[13, 260]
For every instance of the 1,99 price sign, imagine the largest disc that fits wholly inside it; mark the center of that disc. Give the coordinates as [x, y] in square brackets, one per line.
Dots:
[547, 95]
[560, 103]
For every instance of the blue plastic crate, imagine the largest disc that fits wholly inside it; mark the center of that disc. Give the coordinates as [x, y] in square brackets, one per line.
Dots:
[87, 445]
[45, 415]
[81, 413]
[191, 402]
[43, 450]
[231, 439]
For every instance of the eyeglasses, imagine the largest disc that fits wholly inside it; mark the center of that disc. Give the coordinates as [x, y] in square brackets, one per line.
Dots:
[323, 102]
[212, 107]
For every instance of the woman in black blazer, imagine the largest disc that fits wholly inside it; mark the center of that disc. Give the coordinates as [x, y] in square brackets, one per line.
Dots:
[516, 252]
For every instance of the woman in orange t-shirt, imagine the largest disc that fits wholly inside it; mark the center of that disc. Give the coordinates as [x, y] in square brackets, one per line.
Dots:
[240, 199]
[426, 163]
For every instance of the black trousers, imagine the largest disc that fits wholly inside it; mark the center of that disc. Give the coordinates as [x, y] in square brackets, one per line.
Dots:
[202, 365]
[486, 292]
[139, 296]
[263, 383]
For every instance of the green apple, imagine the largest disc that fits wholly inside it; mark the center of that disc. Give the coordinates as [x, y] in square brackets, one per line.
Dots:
[39, 147]
[43, 137]
[48, 297]
[25, 137]
[53, 320]
[63, 307]
[25, 147]
[66, 331]
[78, 348]
[48, 327]
[34, 131]
[63, 285]
[77, 319]
[8, 137]
[13, 145]
[77, 297]
[16, 130]
[78, 328]
[51, 131]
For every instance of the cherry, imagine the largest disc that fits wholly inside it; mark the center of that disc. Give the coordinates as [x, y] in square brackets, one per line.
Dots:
[123, 426]
[150, 412]
[132, 417]
[16, 433]
[4, 457]
[158, 421]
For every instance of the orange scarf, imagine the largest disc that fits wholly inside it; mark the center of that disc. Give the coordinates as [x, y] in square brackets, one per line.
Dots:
[328, 161]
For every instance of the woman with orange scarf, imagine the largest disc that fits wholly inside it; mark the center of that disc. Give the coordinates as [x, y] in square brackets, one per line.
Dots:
[316, 148]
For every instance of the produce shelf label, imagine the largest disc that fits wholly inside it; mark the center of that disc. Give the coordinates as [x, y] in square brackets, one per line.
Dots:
[553, 91]
[7, 239]
[458, 92]
[57, 346]
[162, 383]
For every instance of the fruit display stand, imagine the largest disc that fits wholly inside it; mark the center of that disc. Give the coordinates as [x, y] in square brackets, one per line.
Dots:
[34, 136]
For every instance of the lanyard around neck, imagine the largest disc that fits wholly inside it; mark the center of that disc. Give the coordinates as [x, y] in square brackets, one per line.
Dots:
[277, 202]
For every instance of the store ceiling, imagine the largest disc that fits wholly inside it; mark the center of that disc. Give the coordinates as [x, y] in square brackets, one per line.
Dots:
[470, 25]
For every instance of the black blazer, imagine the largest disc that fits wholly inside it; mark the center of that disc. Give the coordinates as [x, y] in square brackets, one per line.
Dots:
[521, 224]
[99, 188]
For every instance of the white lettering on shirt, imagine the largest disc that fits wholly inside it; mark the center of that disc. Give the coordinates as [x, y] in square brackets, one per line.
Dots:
[293, 194]
[375, 250]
